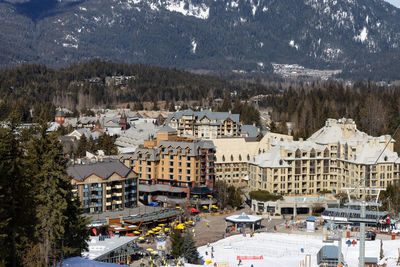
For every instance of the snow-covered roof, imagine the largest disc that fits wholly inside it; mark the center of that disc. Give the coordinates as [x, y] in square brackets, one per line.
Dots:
[97, 248]
[270, 159]
[243, 218]
[369, 155]
[339, 131]
[302, 145]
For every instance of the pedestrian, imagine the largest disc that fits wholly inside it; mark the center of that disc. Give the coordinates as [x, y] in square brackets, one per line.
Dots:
[240, 262]
[252, 265]
[212, 249]
[206, 253]
[212, 255]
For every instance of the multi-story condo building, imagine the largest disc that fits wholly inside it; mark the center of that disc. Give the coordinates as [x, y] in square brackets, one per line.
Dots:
[175, 161]
[233, 154]
[205, 124]
[336, 156]
[104, 186]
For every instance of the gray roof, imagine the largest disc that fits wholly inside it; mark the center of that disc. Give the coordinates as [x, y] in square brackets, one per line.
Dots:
[167, 129]
[60, 113]
[102, 169]
[193, 146]
[145, 153]
[252, 131]
[219, 116]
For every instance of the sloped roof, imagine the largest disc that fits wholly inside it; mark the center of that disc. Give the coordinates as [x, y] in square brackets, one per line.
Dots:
[333, 132]
[243, 218]
[219, 116]
[270, 159]
[252, 131]
[102, 169]
[60, 113]
[369, 155]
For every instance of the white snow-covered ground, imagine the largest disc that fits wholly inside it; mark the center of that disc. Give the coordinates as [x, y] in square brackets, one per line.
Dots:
[280, 250]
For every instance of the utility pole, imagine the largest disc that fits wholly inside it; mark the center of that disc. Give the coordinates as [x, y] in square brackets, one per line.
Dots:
[363, 219]
[362, 234]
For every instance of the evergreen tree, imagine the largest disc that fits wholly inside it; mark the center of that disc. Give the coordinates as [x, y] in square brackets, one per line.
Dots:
[82, 146]
[16, 216]
[107, 144]
[176, 244]
[282, 127]
[91, 146]
[227, 103]
[189, 249]
[155, 105]
[272, 127]
[51, 187]
[235, 198]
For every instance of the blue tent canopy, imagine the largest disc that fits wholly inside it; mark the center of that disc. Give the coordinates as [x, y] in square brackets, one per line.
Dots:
[153, 204]
[311, 219]
[81, 262]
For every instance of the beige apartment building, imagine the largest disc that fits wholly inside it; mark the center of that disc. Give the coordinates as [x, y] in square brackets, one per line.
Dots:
[175, 161]
[233, 154]
[336, 156]
[205, 124]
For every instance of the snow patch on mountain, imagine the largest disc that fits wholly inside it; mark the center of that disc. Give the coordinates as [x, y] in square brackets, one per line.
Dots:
[362, 36]
[293, 44]
[194, 46]
[201, 11]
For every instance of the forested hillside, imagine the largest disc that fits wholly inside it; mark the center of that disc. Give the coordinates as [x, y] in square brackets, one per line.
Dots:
[38, 89]
[85, 86]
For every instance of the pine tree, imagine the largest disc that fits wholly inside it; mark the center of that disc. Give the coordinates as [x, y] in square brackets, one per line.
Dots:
[82, 146]
[189, 249]
[16, 213]
[51, 187]
[91, 146]
[107, 144]
[176, 244]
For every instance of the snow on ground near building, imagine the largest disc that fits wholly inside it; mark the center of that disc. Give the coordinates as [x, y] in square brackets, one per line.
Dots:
[285, 250]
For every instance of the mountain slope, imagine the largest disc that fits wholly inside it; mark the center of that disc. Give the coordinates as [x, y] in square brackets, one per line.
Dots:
[210, 34]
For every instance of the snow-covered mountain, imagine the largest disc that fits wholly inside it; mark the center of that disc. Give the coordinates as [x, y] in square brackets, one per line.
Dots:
[353, 35]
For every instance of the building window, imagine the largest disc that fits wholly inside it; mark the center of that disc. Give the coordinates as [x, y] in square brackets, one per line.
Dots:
[188, 165]
[171, 170]
[187, 171]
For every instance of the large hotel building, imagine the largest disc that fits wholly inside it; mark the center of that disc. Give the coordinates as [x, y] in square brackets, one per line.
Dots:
[336, 156]
[173, 161]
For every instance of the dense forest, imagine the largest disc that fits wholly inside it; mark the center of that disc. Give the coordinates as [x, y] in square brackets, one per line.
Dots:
[89, 84]
[35, 90]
